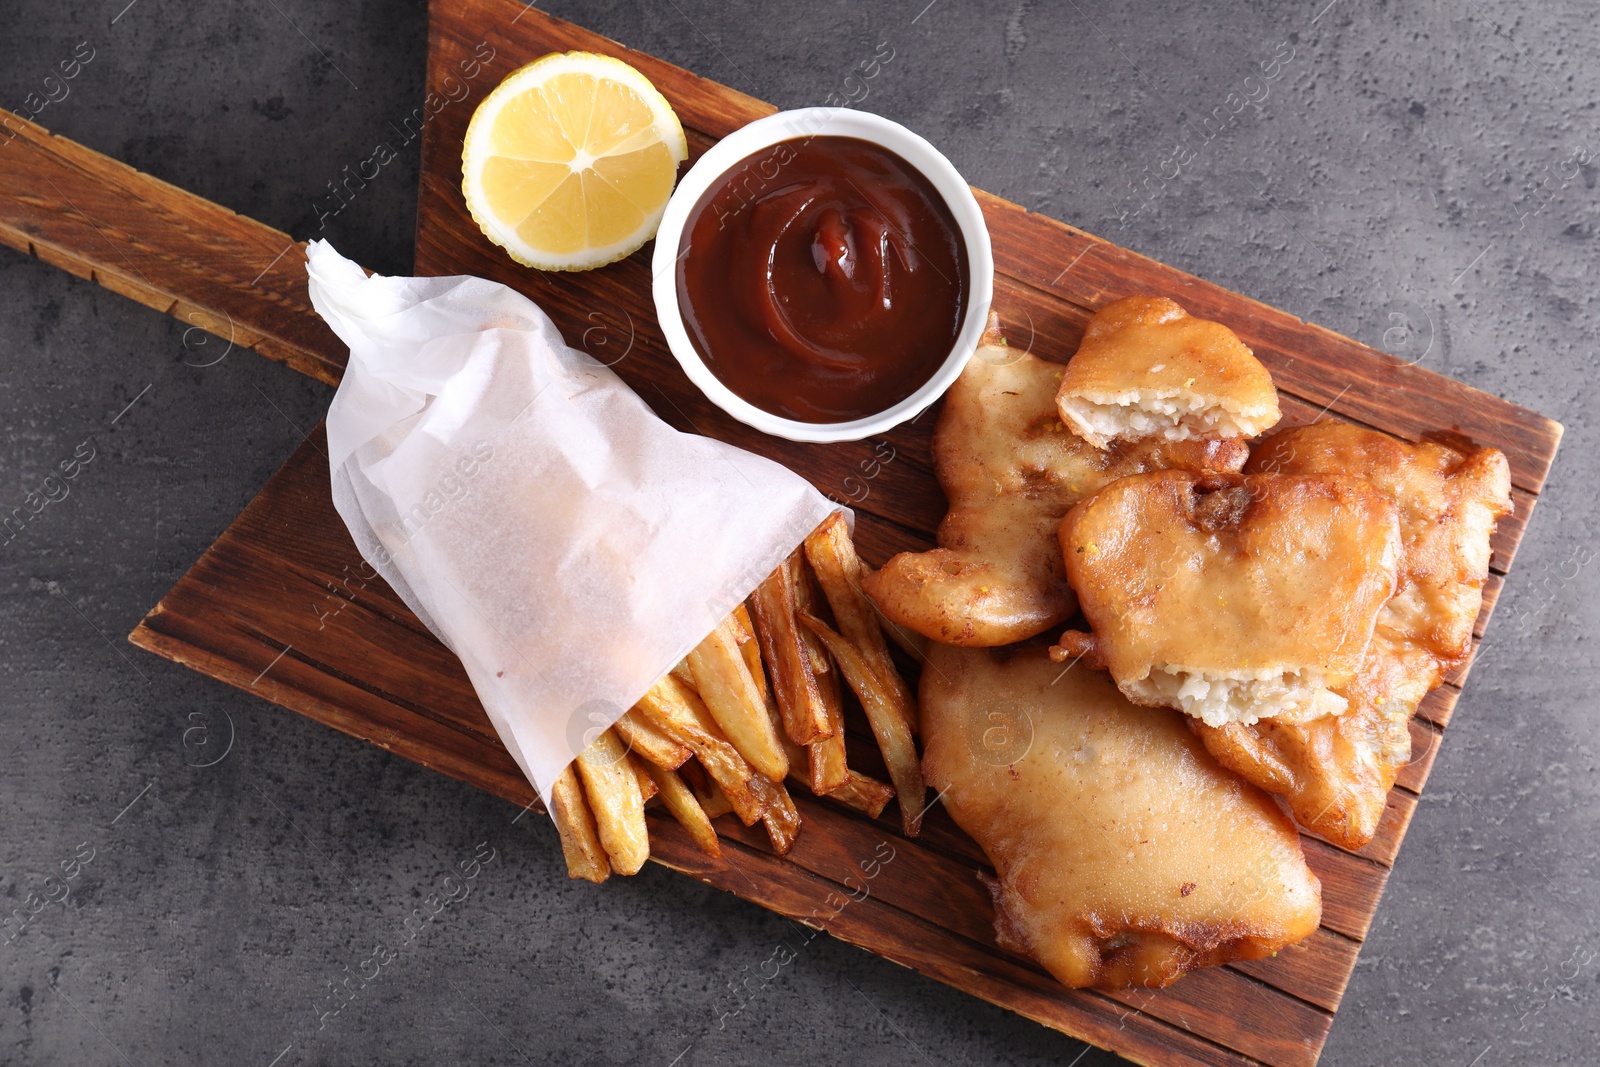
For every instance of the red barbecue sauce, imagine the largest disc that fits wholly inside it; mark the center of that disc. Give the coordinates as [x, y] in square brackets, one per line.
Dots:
[822, 279]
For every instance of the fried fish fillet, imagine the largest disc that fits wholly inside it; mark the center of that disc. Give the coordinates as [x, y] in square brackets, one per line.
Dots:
[1125, 856]
[1232, 597]
[1147, 368]
[1336, 771]
[1010, 471]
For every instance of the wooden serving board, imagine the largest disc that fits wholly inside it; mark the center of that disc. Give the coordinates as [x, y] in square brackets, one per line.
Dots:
[275, 606]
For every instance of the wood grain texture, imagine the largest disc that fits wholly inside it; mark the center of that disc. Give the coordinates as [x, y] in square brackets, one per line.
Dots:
[284, 579]
[101, 220]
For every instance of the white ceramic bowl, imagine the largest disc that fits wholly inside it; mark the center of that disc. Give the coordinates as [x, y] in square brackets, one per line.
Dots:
[824, 122]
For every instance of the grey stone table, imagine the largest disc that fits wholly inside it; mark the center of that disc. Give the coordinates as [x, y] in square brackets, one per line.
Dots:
[1420, 176]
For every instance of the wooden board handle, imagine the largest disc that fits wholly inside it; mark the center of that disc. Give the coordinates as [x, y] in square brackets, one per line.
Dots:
[137, 235]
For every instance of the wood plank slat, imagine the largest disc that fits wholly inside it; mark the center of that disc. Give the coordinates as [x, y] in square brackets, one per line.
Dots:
[1318, 968]
[166, 248]
[1425, 740]
[1438, 705]
[1256, 1019]
[1351, 887]
[1456, 676]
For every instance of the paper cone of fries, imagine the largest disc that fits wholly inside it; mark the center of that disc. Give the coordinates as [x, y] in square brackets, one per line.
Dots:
[563, 541]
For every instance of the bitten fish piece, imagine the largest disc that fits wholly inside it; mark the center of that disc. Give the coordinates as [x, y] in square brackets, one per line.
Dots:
[1147, 368]
[1336, 771]
[1125, 856]
[1010, 471]
[1231, 597]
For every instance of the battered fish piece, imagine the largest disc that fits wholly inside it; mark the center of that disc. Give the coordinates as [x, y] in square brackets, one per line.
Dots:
[1125, 856]
[1010, 471]
[1231, 597]
[1336, 772]
[1147, 368]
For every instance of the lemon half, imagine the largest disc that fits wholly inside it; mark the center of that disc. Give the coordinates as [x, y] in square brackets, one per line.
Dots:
[568, 164]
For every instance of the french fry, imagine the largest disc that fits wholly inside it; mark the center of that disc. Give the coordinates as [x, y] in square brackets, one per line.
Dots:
[782, 818]
[773, 716]
[855, 789]
[743, 628]
[860, 791]
[838, 569]
[680, 801]
[706, 790]
[864, 793]
[750, 649]
[783, 645]
[890, 724]
[613, 792]
[647, 785]
[827, 755]
[725, 685]
[647, 739]
[797, 759]
[807, 598]
[677, 709]
[580, 840]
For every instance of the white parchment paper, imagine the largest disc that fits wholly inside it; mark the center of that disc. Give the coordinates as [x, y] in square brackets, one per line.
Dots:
[562, 540]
